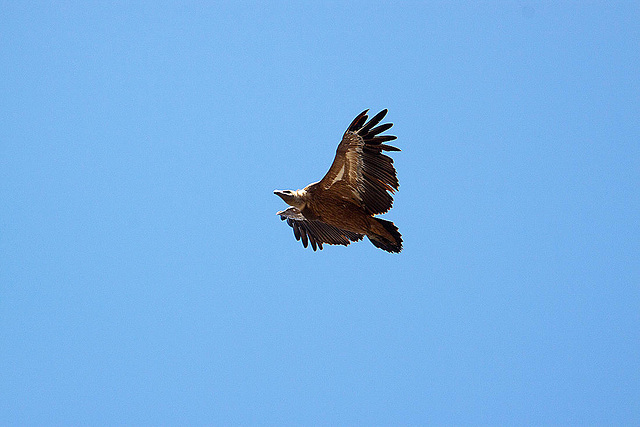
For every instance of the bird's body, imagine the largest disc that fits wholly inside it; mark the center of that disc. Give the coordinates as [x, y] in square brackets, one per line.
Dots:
[340, 208]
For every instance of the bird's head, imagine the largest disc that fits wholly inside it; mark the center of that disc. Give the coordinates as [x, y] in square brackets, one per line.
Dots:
[291, 197]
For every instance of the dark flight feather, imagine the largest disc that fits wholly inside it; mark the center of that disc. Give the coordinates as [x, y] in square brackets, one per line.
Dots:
[316, 232]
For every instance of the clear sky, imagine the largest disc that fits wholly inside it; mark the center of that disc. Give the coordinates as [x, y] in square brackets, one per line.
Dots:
[146, 279]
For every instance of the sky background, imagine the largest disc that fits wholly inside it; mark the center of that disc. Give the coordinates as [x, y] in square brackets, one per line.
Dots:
[146, 279]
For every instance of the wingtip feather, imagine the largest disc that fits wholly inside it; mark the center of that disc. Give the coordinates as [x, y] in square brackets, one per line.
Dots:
[357, 122]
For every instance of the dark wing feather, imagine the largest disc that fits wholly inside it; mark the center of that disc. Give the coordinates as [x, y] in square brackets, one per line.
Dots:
[358, 121]
[316, 232]
[360, 171]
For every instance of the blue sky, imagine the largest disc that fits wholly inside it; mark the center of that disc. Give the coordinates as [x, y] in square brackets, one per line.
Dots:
[145, 278]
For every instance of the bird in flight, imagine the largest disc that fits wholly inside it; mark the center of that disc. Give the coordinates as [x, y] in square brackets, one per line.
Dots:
[340, 208]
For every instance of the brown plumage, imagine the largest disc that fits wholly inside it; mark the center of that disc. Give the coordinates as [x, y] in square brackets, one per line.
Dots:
[340, 208]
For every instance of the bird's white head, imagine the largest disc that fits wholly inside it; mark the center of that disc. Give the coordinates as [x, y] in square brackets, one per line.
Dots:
[293, 198]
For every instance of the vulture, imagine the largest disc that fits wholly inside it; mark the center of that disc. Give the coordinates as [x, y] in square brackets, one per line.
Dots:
[340, 208]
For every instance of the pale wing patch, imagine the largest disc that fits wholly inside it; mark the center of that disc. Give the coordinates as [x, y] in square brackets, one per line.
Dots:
[339, 176]
[355, 166]
[349, 177]
[354, 163]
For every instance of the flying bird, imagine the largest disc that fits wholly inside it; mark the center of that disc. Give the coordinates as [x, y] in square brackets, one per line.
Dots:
[340, 208]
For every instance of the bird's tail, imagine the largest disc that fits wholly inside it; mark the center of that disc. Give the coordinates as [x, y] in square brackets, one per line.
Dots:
[390, 243]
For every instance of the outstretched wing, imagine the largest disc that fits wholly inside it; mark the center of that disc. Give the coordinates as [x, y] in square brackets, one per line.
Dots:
[360, 171]
[316, 232]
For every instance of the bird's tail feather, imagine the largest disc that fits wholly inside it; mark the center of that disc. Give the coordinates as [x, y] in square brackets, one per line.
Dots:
[379, 241]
